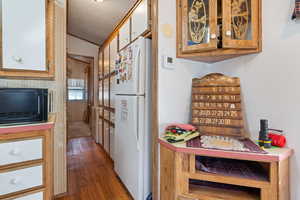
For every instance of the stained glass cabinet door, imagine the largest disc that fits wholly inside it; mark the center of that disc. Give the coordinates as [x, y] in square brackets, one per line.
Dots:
[198, 25]
[240, 22]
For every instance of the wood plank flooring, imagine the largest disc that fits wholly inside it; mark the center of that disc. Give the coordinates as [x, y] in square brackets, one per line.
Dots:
[78, 129]
[90, 173]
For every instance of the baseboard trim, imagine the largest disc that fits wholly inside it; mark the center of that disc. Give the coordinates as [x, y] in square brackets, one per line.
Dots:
[61, 195]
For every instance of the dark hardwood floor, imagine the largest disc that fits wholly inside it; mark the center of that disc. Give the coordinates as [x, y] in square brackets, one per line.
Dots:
[91, 175]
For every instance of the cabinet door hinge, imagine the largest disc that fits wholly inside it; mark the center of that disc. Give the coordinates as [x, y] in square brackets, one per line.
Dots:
[48, 65]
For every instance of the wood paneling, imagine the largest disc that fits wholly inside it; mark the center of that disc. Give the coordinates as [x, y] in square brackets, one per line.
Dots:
[167, 180]
[77, 111]
[60, 141]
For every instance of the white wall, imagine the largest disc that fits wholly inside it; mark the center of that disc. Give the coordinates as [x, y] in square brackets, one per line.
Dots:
[270, 80]
[80, 47]
[83, 48]
[174, 85]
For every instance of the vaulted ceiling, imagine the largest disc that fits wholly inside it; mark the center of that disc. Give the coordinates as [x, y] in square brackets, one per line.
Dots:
[94, 21]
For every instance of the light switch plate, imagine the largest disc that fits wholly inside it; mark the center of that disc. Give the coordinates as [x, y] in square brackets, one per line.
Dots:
[168, 62]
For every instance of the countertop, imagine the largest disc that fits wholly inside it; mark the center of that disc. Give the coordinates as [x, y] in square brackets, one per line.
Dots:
[273, 155]
[29, 127]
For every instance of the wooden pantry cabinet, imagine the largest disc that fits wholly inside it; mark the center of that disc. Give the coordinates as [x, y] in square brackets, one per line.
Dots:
[215, 30]
[107, 57]
[136, 23]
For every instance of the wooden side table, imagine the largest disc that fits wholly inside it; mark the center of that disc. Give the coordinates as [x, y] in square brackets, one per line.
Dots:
[179, 172]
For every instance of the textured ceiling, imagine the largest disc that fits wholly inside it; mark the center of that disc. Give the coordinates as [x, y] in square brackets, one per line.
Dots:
[94, 21]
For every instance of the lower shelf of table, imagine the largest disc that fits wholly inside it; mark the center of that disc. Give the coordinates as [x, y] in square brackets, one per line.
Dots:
[203, 190]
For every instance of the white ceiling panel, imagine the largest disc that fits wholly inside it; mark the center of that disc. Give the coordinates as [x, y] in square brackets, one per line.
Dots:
[94, 21]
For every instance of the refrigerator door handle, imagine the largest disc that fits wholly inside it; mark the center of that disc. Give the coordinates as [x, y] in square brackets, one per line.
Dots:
[138, 128]
[137, 67]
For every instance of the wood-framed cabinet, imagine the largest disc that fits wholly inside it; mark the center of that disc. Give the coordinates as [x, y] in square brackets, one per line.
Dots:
[107, 57]
[124, 34]
[140, 20]
[215, 30]
[136, 23]
[27, 51]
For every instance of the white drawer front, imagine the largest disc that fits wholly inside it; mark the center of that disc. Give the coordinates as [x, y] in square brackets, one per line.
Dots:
[22, 179]
[20, 151]
[36, 196]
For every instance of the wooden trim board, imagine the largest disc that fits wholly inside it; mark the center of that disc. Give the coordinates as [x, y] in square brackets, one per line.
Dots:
[154, 114]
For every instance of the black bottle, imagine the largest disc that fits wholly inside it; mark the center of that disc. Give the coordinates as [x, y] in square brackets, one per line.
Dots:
[263, 133]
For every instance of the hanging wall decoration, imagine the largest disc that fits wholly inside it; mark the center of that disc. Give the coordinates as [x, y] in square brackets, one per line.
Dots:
[217, 113]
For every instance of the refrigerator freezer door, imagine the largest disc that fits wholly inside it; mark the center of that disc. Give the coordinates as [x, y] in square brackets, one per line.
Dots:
[130, 69]
[128, 142]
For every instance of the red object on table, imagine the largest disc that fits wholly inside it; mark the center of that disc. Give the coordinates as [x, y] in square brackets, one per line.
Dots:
[277, 139]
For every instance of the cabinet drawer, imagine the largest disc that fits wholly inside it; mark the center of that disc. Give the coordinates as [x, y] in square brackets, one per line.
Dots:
[36, 196]
[21, 151]
[22, 179]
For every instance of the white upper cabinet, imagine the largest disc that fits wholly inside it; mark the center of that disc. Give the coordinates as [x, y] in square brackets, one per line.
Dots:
[124, 35]
[113, 53]
[113, 58]
[24, 34]
[106, 61]
[140, 20]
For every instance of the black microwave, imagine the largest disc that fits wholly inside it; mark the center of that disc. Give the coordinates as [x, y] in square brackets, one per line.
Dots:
[19, 106]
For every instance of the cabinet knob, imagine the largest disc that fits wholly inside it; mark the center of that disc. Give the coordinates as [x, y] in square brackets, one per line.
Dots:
[17, 59]
[15, 181]
[213, 36]
[228, 33]
[15, 152]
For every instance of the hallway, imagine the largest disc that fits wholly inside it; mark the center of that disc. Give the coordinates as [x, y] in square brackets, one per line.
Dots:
[90, 173]
[78, 129]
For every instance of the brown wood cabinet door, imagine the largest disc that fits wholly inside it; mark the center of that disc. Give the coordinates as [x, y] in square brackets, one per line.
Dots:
[198, 25]
[240, 24]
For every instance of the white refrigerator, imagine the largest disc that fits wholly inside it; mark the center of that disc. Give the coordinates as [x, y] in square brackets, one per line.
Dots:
[132, 119]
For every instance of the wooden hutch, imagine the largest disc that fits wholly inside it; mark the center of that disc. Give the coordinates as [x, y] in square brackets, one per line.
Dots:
[215, 30]
[178, 170]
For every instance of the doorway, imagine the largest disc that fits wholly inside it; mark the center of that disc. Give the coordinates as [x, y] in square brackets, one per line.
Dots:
[80, 95]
